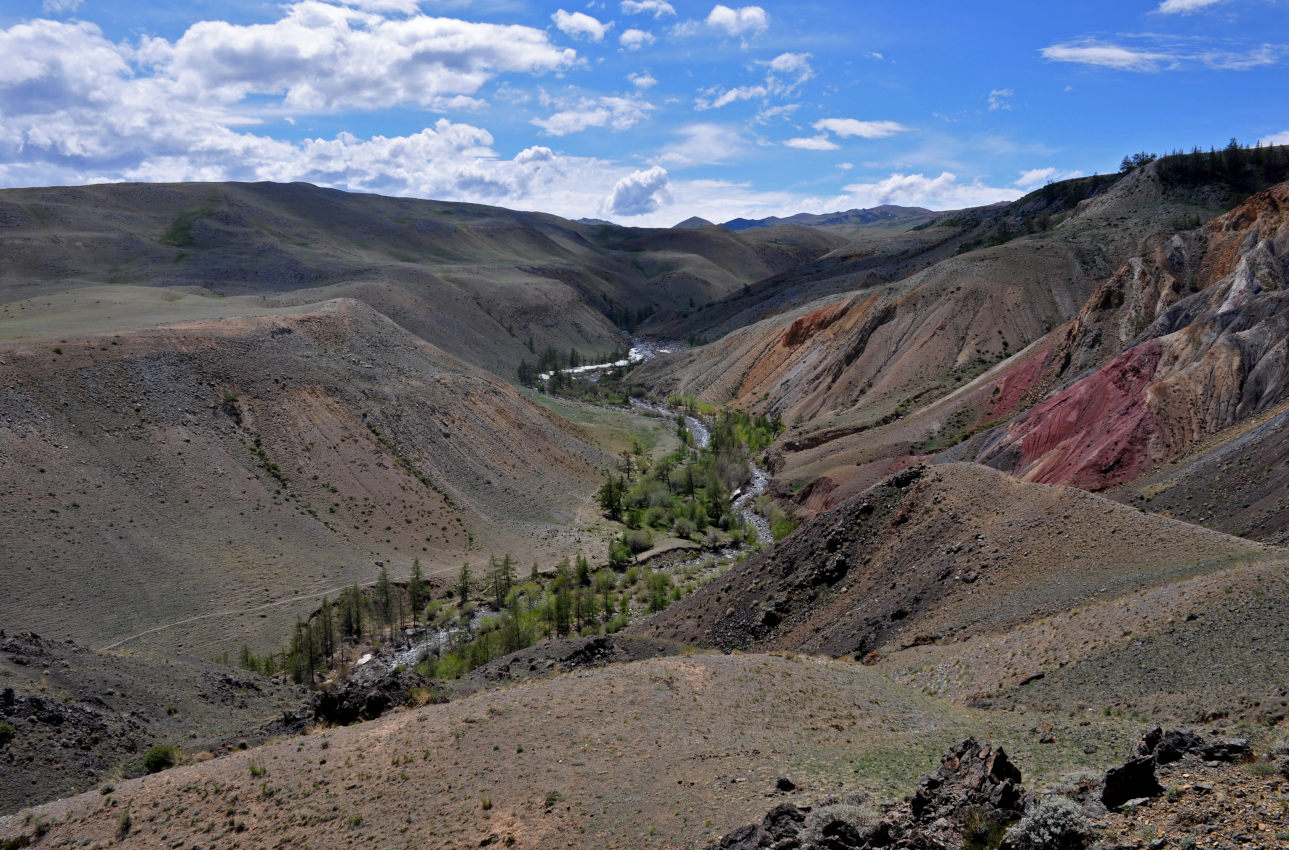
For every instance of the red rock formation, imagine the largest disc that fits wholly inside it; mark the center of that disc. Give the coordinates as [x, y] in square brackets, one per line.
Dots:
[1212, 359]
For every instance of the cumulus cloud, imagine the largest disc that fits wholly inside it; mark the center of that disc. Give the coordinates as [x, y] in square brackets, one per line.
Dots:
[1185, 7]
[642, 80]
[634, 39]
[813, 143]
[321, 57]
[1276, 139]
[918, 190]
[657, 8]
[617, 113]
[580, 25]
[1000, 99]
[748, 20]
[77, 108]
[1035, 177]
[849, 127]
[639, 193]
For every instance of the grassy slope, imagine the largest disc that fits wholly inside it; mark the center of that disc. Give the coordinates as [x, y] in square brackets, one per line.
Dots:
[658, 753]
[477, 281]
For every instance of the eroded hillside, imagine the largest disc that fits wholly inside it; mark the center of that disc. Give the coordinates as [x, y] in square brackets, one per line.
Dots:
[222, 475]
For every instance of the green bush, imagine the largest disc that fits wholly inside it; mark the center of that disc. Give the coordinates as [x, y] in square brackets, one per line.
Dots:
[160, 757]
[7, 733]
[1058, 823]
[638, 540]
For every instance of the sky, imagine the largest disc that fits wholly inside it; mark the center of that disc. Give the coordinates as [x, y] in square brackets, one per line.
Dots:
[641, 112]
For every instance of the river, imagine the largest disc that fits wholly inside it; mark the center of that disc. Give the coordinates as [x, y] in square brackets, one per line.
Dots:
[683, 565]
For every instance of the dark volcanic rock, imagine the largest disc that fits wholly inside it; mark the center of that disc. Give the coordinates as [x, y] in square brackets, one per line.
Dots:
[971, 776]
[1132, 780]
[779, 829]
[975, 786]
[1173, 745]
[368, 699]
[1229, 749]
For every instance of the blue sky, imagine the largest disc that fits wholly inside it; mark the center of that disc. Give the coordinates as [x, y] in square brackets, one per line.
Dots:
[643, 112]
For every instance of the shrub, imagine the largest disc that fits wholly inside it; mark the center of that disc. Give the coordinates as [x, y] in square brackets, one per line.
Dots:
[160, 757]
[1281, 754]
[683, 527]
[7, 733]
[638, 540]
[1057, 824]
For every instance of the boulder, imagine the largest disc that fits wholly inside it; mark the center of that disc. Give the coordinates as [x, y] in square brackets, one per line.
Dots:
[1132, 780]
[1166, 747]
[1229, 750]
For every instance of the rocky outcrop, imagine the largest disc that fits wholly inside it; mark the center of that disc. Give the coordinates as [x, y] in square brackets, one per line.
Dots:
[366, 699]
[1166, 747]
[971, 777]
[1202, 356]
[976, 790]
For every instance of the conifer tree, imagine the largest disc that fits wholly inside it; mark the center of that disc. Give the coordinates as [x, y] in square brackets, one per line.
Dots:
[416, 590]
[326, 631]
[464, 584]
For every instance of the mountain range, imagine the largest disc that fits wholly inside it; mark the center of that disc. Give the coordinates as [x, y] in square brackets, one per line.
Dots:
[1035, 453]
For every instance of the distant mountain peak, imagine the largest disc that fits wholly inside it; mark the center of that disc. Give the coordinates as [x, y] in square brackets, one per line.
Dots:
[691, 223]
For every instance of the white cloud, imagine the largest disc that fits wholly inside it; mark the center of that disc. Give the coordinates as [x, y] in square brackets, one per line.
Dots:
[770, 113]
[848, 127]
[813, 143]
[1276, 139]
[642, 80]
[918, 190]
[1162, 54]
[657, 8]
[100, 117]
[1109, 56]
[580, 25]
[321, 57]
[787, 71]
[716, 98]
[702, 144]
[1185, 7]
[845, 166]
[737, 22]
[537, 153]
[634, 39]
[639, 193]
[1000, 99]
[1035, 177]
[1256, 57]
[784, 74]
[60, 7]
[617, 113]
